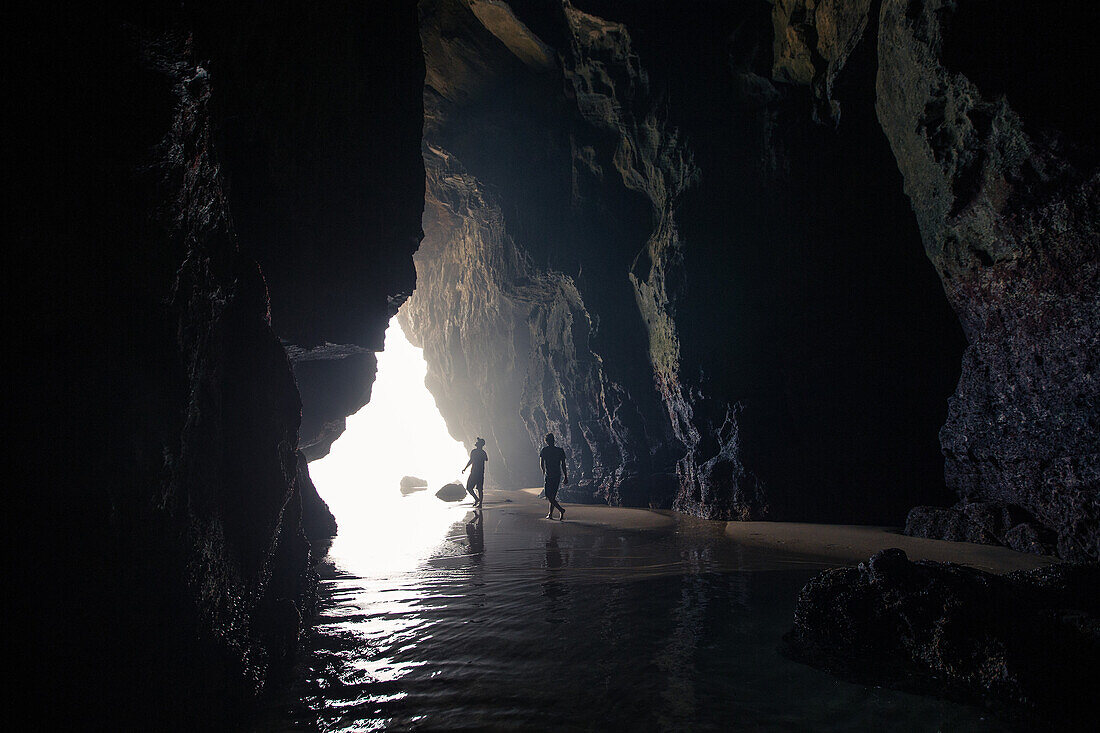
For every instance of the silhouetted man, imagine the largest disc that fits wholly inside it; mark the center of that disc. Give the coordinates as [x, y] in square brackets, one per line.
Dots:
[478, 459]
[552, 459]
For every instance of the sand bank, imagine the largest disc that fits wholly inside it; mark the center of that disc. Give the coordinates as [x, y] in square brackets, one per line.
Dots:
[849, 544]
[842, 544]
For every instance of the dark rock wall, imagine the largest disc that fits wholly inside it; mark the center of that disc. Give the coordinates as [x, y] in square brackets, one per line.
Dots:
[763, 329]
[1008, 208]
[162, 410]
[319, 114]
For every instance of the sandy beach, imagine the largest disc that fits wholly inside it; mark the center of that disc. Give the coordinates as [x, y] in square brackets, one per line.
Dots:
[844, 544]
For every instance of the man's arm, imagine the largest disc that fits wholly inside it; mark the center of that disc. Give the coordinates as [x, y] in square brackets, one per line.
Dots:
[468, 464]
[542, 465]
[564, 471]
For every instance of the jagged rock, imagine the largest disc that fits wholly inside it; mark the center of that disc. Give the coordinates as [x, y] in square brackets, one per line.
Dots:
[317, 521]
[334, 381]
[1025, 644]
[412, 482]
[689, 360]
[989, 523]
[185, 180]
[813, 40]
[451, 492]
[1008, 209]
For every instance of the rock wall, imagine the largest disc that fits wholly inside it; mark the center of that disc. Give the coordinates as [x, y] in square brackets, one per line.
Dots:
[512, 352]
[169, 498]
[752, 283]
[748, 343]
[1008, 210]
[986, 129]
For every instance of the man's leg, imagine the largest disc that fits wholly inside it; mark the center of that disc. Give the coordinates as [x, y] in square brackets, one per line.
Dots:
[555, 505]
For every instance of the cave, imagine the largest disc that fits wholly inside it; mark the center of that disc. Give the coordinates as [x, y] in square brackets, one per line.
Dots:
[806, 291]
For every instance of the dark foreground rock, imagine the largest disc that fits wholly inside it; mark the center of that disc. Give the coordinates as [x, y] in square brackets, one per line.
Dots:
[451, 492]
[984, 522]
[1024, 644]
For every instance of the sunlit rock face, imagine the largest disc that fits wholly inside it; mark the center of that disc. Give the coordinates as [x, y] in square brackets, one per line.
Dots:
[721, 306]
[171, 508]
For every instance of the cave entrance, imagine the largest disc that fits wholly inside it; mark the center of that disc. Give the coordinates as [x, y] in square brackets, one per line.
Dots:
[398, 433]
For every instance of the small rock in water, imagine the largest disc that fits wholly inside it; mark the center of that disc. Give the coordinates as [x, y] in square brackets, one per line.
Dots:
[451, 492]
[412, 484]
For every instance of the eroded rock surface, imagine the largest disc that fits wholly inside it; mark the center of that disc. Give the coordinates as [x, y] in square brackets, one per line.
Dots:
[1025, 644]
[988, 523]
[813, 40]
[1009, 211]
[627, 246]
[176, 519]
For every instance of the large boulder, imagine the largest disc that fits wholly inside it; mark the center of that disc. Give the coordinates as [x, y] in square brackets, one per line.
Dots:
[984, 522]
[1024, 644]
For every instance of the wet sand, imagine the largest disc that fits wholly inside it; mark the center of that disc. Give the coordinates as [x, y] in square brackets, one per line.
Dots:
[844, 544]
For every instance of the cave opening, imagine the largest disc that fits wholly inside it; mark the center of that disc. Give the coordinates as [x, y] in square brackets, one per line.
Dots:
[399, 433]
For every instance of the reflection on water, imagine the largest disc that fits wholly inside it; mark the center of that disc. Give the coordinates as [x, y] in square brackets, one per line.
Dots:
[511, 622]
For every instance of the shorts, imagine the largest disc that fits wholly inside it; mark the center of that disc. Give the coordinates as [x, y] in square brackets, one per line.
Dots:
[473, 482]
[552, 485]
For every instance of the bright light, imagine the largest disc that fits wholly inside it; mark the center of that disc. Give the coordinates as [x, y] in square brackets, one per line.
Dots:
[399, 432]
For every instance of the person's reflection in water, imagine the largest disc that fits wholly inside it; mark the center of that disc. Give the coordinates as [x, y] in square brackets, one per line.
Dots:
[475, 537]
[553, 554]
[553, 588]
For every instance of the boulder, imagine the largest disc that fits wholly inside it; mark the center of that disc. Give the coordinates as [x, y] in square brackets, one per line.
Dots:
[451, 492]
[984, 522]
[412, 484]
[1025, 644]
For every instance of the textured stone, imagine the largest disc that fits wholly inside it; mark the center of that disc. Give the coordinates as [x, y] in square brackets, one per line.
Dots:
[989, 523]
[1024, 644]
[812, 42]
[715, 371]
[1008, 214]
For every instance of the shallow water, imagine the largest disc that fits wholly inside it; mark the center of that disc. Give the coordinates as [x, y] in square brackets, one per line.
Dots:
[514, 622]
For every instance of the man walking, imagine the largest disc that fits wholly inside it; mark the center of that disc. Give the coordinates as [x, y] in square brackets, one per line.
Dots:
[552, 459]
[478, 459]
